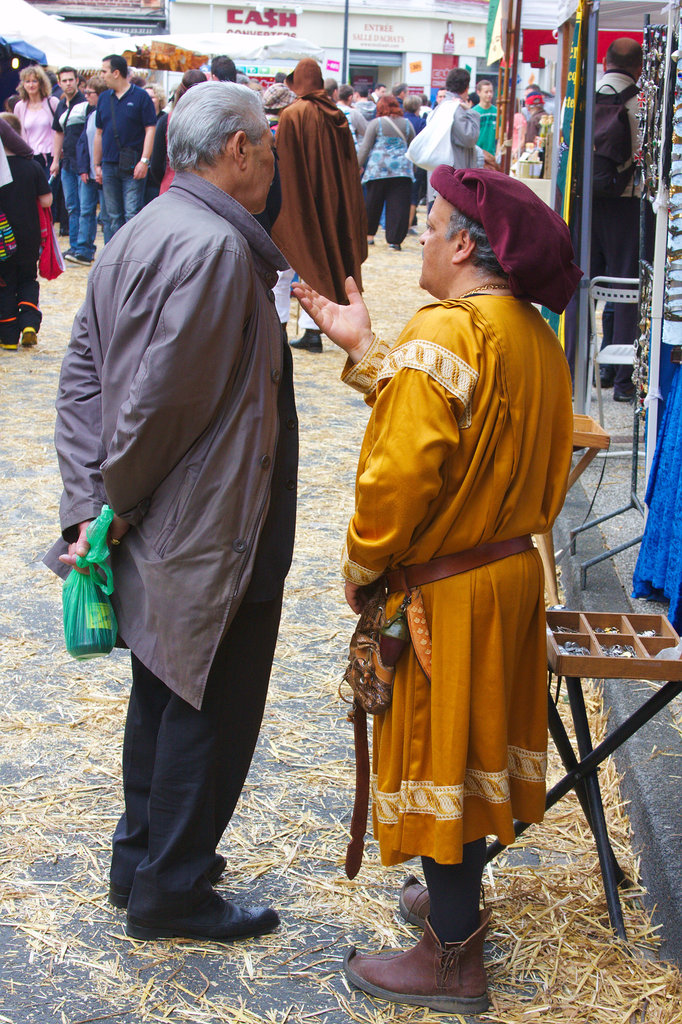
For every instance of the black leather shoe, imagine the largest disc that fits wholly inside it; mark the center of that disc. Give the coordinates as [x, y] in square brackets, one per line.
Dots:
[624, 396]
[220, 921]
[311, 341]
[120, 894]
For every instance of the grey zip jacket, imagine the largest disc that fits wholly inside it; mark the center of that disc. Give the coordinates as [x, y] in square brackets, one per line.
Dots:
[167, 410]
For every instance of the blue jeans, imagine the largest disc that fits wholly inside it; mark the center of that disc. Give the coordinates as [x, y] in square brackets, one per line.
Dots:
[70, 183]
[123, 196]
[103, 219]
[88, 194]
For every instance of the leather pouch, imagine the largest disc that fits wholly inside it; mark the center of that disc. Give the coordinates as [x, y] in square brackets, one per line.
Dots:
[370, 679]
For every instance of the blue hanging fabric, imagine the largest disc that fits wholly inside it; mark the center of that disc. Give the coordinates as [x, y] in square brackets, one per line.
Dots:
[658, 572]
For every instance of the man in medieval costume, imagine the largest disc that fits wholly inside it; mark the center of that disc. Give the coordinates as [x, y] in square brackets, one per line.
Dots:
[466, 455]
[322, 227]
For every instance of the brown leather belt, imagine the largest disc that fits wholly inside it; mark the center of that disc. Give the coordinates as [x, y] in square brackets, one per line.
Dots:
[410, 576]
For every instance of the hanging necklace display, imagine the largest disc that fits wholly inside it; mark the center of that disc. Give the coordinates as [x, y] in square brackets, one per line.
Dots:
[652, 117]
[640, 371]
[651, 83]
[673, 292]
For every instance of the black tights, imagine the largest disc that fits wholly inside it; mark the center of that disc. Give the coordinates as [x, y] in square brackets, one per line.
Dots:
[454, 892]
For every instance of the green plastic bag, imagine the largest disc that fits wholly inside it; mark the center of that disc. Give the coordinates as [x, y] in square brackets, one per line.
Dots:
[90, 625]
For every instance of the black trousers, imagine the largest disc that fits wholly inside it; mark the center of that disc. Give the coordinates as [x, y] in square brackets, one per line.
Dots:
[615, 253]
[19, 291]
[183, 768]
[395, 192]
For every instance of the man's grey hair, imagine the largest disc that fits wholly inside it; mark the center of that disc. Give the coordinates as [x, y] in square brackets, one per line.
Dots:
[483, 255]
[205, 118]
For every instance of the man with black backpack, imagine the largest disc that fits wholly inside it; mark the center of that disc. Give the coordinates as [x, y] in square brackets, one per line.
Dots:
[616, 194]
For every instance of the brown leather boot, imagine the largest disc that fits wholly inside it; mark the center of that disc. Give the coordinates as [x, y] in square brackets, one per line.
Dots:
[414, 902]
[449, 977]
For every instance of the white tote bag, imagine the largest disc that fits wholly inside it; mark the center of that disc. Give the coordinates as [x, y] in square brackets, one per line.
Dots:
[433, 146]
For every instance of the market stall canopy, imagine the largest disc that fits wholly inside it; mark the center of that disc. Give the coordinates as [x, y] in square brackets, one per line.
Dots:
[548, 15]
[616, 15]
[60, 41]
[20, 48]
[540, 19]
[236, 45]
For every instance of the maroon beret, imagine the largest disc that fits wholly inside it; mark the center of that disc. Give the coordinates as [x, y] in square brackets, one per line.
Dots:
[531, 241]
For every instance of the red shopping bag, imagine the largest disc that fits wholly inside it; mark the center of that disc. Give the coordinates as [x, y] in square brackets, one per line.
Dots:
[51, 261]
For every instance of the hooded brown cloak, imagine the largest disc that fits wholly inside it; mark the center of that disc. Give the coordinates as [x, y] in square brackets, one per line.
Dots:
[322, 228]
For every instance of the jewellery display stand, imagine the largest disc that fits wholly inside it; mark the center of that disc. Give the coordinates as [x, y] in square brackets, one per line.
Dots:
[602, 645]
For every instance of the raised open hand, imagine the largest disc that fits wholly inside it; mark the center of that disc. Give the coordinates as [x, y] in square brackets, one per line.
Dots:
[348, 326]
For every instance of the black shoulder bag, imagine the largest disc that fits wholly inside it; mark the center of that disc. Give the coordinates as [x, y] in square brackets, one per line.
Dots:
[128, 158]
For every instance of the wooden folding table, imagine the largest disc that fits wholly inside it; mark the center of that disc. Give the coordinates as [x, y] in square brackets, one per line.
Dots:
[602, 645]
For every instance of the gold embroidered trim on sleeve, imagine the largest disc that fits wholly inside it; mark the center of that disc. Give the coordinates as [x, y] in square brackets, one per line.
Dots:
[355, 573]
[363, 375]
[452, 373]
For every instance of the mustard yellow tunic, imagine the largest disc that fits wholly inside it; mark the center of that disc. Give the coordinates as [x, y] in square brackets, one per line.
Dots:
[469, 441]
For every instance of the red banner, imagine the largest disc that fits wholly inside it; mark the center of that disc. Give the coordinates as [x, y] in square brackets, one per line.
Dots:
[441, 63]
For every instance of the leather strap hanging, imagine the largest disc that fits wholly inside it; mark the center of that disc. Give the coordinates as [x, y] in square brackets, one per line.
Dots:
[358, 825]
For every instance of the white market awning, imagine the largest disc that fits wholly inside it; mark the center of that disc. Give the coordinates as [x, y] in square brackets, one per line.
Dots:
[60, 41]
[66, 43]
[236, 45]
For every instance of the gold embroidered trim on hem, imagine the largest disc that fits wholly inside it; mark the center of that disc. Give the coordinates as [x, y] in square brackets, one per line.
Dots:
[493, 787]
[527, 765]
[452, 373]
[441, 802]
[362, 376]
[446, 803]
[355, 573]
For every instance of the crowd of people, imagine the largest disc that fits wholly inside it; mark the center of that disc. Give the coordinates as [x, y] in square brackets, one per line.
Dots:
[101, 142]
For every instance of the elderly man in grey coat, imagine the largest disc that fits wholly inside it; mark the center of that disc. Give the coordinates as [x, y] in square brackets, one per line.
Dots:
[176, 407]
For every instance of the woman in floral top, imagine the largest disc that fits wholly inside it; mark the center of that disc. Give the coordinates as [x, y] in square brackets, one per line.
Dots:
[388, 174]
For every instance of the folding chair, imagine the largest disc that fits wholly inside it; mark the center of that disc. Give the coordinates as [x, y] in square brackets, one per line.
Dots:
[609, 289]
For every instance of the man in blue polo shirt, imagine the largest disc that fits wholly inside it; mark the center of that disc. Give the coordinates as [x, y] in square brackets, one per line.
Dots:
[125, 124]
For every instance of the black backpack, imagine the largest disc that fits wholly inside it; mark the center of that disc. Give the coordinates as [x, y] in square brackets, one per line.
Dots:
[613, 165]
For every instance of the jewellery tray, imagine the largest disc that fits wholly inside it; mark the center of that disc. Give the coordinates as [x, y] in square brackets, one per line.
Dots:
[584, 629]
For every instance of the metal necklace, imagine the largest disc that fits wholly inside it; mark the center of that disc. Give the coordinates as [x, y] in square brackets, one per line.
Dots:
[492, 285]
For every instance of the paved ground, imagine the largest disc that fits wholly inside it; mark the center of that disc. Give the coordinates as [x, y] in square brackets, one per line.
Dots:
[63, 953]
